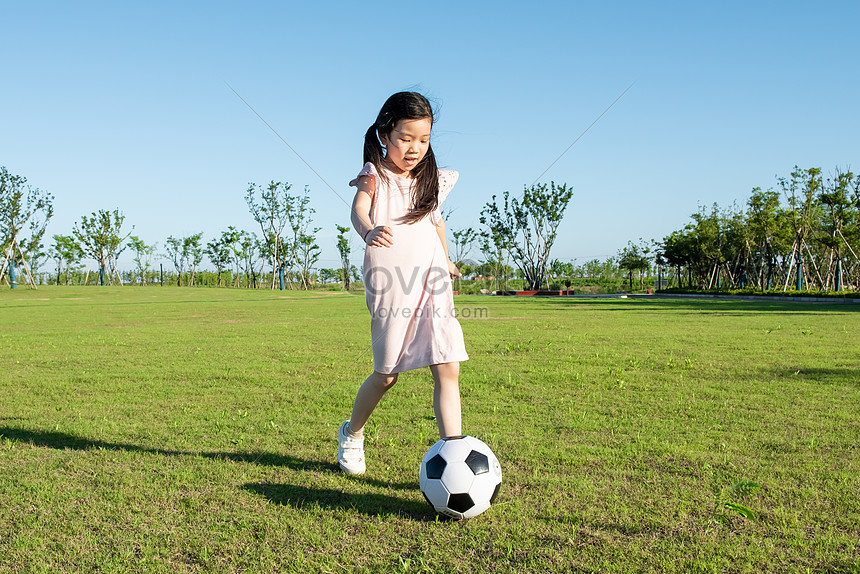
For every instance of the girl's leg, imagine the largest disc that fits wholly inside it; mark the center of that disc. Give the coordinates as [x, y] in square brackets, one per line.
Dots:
[369, 395]
[446, 398]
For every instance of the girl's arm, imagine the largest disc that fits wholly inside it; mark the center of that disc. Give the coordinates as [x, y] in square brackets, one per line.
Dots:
[376, 236]
[440, 230]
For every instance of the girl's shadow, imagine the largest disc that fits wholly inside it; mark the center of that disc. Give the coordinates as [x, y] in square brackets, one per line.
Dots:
[65, 441]
[286, 494]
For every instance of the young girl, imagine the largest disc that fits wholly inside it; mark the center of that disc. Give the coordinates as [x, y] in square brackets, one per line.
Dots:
[407, 272]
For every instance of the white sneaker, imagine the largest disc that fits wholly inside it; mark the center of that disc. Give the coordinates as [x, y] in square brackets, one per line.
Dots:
[350, 451]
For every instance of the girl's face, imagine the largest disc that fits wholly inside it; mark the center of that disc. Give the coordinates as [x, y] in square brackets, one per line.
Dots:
[406, 145]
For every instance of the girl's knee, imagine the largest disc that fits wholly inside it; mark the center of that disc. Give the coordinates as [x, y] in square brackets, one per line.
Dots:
[446, 371]
[386, 381]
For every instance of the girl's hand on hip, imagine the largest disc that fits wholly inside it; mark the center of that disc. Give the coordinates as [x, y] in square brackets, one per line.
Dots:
[380, 236]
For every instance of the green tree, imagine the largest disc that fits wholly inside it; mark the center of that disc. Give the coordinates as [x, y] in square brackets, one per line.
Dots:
[101, 238]
[220, 256]
[186, 254]
[676, 250]
[592, 268]
[343, 249]
[634, 258]
[810, 239]
[327, 275]
[769, 233]
[839, 214]
[463, 241]
[250, 253]
[178, 255]
[142, 256]
[68, 253]
[801, 192]
[193, 248]
[303, 251]
[528, 226]
[271, 210]
[560, 269]
[24, 214]
[231, 240]
[494, 248]
[467, 269]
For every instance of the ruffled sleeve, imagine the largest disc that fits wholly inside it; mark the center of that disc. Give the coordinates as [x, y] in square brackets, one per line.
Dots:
[447, 179]
[368, 170]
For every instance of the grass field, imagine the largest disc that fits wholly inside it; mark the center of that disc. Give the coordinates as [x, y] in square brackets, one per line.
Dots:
[192, 430]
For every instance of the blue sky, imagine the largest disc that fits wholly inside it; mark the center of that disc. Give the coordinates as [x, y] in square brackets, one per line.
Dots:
[126, 105]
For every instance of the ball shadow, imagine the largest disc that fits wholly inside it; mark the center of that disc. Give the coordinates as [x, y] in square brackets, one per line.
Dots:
[370, 504]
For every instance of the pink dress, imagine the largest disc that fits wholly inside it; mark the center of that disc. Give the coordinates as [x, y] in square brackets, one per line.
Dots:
[407, 285]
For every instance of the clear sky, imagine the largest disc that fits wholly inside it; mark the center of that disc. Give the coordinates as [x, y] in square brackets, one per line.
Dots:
[126, 105]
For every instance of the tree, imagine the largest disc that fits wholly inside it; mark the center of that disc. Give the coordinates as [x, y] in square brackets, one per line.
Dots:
[66, 250]
[308, 254]
[343, 249]
[142, 255]
[219, 254]
[23, 206]
[193, 250]
[801, 192]
[528, 226]
[810, 239]
[249, 246]
[467, 269]
[495, 249]
[837, 205]
[592, 268]
[463, 240]
[271, 211]
[303, 251]
[327, 275]
[101, 238]
[634, 258]
[769, 233]
[707, 253]
[559, 270]
[173, 248]
[186, 254]
[231, 240]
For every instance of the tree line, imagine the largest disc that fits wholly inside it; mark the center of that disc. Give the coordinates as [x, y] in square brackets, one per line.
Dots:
[803, 233]
[285, 252]
[286, 243]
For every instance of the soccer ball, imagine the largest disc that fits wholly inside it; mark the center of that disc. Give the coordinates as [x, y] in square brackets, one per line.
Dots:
[460, 477]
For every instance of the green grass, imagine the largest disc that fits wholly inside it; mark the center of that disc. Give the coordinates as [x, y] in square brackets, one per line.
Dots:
[192, 430]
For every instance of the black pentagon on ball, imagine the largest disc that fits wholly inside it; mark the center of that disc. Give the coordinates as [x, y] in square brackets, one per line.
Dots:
[460, 502]
[478, 462]
[435, 467]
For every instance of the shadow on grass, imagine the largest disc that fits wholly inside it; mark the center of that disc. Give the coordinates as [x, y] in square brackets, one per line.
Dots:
[831, 375]
[297, 496]
[381, 504]
[65, 441]
[718, 307]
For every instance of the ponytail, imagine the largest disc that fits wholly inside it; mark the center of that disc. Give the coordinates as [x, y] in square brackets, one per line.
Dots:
[372, 147]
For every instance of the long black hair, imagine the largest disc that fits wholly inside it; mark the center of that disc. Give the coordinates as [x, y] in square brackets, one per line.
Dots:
[425, 185]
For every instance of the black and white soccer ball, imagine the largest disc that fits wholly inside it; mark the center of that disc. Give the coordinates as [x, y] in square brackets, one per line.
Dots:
[460, 477]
